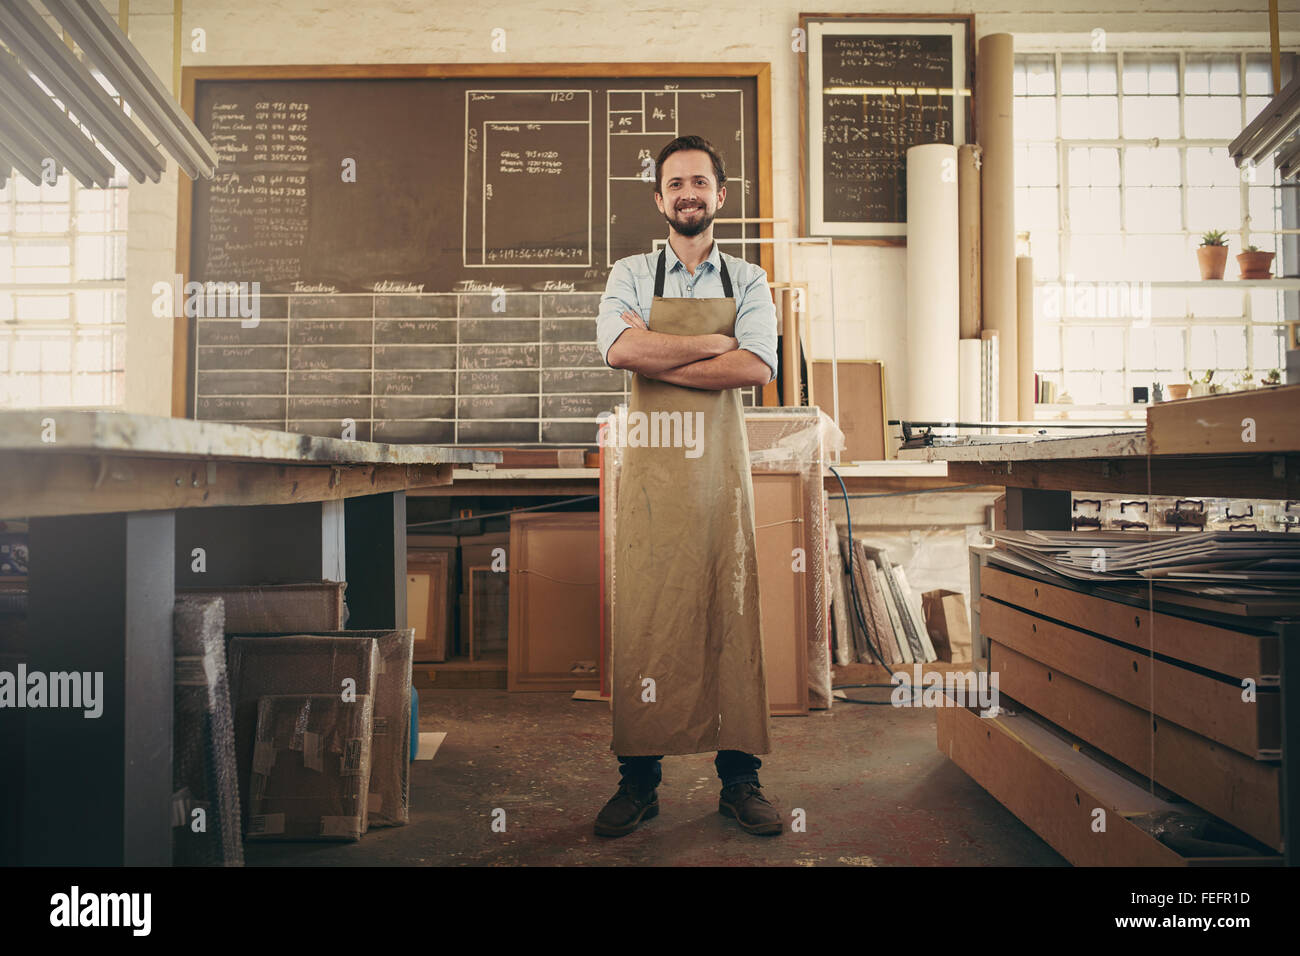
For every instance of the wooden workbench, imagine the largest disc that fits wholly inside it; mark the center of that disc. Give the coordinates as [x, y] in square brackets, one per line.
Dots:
[493, 480]
[1242, 445]
[120, 506]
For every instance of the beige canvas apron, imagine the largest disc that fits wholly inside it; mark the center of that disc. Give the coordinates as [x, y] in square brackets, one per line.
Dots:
[686, 640]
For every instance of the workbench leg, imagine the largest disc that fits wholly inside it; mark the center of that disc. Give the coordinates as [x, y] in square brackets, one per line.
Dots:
[1289, 665]
[100, 598]
[1029, 509]
[375, 539]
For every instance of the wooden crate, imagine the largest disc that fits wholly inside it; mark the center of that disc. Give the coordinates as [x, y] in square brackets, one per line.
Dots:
[485, 614]
[554, 602]
[778, 514]
[429, 602]
[479, 551]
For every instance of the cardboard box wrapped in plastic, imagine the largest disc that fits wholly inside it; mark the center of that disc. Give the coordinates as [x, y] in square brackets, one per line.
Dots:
[311, 768]
[346, 668]
[389, 801]
[312, 606]
[203, 742]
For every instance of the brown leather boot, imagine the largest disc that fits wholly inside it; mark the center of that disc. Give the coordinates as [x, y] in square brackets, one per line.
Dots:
[627, 809]
[745, 802]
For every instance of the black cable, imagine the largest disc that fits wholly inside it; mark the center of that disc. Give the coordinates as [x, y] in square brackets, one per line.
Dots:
[916, 491]
[508, 511]
[857, 610]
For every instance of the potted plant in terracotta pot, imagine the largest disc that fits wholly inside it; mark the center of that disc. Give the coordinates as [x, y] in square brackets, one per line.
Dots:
[1177, 391]
[1255, 264]
[1212, 255]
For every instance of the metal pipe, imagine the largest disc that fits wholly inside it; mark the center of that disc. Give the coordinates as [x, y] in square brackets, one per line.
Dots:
[107, 47]
[63, 139]
[26, 150]
[38, 47]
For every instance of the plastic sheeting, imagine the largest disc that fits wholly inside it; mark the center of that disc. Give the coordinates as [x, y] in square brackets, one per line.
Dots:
[301, 665]
[311, 766]
[203, 741]
[932, 558]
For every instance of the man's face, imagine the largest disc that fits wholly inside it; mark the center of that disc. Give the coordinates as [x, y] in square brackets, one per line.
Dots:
[690, 197]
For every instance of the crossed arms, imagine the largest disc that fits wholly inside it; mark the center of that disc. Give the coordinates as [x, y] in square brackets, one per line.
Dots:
[695, 361]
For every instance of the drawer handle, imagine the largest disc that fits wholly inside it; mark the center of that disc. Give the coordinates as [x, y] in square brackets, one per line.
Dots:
[1035, 592]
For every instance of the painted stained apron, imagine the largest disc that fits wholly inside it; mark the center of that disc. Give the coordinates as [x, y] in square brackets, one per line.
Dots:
[686, 607]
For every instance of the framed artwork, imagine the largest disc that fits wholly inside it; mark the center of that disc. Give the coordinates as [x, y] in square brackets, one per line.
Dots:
[871, 86]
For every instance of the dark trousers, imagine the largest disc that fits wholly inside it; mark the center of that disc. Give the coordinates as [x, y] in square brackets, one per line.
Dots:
[733, 766]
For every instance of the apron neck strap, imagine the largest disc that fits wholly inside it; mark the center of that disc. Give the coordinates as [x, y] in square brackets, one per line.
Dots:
[659, 276]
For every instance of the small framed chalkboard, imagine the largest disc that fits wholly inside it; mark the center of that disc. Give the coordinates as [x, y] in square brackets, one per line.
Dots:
[871, 86]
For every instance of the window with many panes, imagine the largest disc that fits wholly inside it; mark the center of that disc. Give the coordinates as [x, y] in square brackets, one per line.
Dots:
[1121, 165]
[62, 292]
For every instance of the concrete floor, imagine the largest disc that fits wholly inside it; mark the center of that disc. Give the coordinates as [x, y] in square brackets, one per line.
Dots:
[874, 788]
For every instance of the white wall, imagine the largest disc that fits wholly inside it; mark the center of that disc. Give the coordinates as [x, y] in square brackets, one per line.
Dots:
[869, 292]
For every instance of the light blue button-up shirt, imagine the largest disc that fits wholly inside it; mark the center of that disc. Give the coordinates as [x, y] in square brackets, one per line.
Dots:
[631, 286]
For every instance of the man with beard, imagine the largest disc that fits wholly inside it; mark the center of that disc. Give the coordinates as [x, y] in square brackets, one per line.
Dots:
[696, 325]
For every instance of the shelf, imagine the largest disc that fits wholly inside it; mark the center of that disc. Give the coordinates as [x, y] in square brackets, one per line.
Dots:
[1280, 285]
[1070, 407]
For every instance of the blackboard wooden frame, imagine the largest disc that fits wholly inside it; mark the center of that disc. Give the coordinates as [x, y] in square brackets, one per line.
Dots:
[182, 344]
[867, 236]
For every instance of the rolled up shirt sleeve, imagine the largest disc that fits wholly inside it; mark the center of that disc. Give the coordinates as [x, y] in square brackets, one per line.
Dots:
[620, 296]
[756, 320]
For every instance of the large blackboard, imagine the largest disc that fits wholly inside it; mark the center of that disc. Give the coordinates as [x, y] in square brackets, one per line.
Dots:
[431, 249]
[873, 88]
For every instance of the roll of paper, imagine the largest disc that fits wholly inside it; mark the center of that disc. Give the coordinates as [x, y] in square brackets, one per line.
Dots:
[970, 370]
[932, 281]
[968, 238]
[1025, 336]
[993, 112]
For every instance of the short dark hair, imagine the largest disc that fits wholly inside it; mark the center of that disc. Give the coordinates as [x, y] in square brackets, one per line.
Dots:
[689, 142]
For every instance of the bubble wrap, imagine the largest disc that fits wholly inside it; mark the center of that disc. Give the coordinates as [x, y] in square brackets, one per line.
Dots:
[203, 740]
